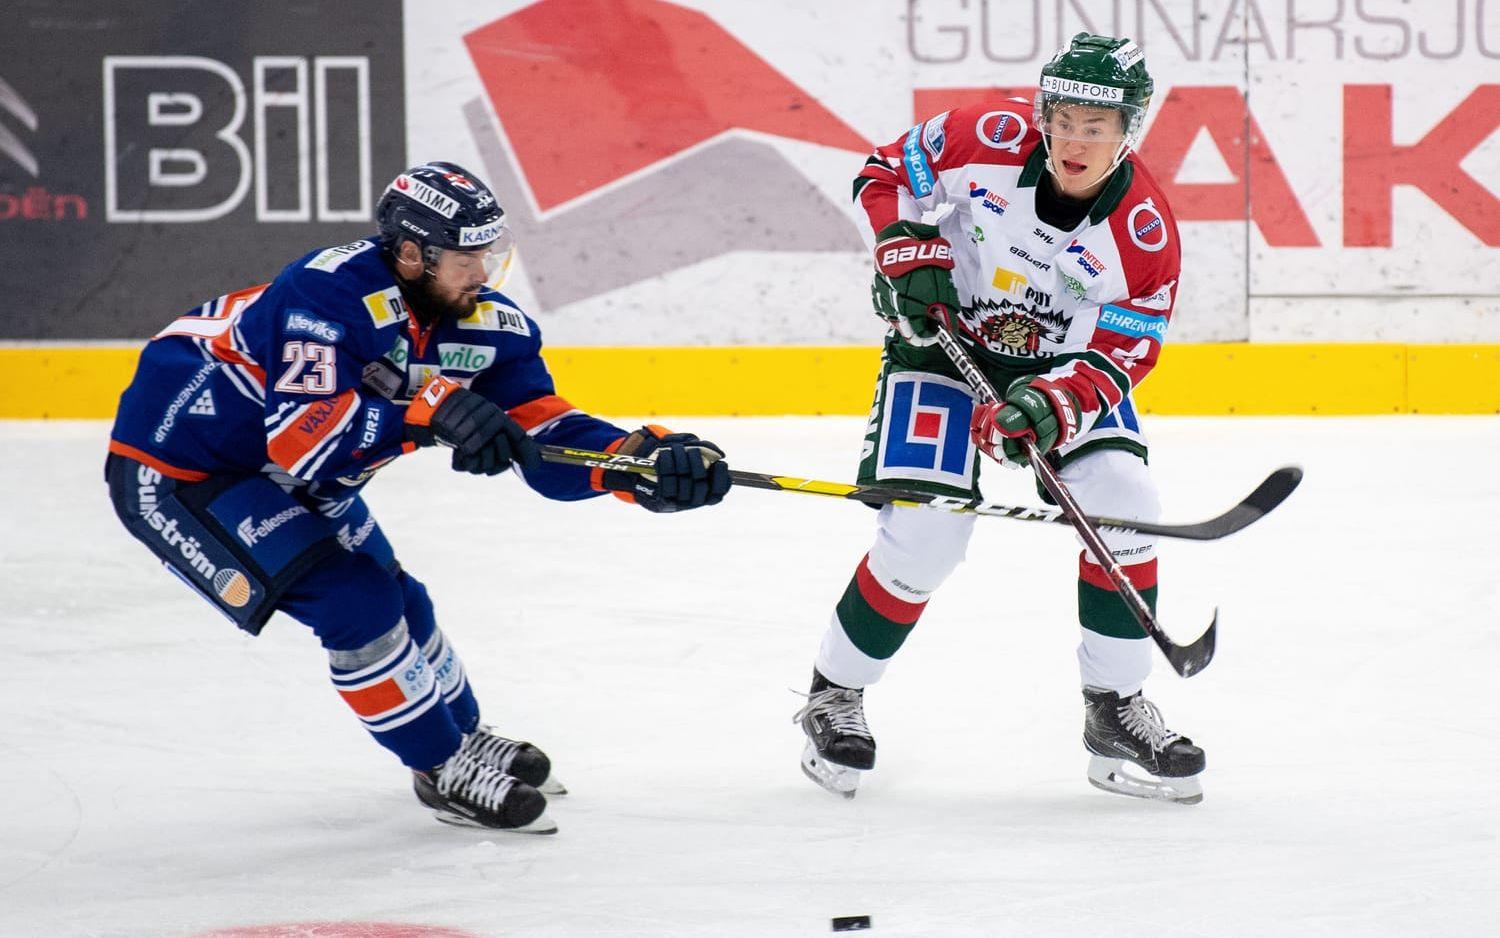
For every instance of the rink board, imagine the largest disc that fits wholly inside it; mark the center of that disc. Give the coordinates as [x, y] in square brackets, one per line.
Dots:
[84, 382]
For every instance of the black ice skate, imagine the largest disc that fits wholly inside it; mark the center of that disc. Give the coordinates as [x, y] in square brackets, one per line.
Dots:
[470, 793]
[839, 744]
[523, 760]
[1124, 730]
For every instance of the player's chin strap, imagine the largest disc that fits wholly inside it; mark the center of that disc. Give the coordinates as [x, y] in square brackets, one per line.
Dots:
[1121, 151]
[1186, 660]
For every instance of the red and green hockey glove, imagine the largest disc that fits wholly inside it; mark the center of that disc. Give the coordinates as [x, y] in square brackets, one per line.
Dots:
[913, 280]
[1033, 407]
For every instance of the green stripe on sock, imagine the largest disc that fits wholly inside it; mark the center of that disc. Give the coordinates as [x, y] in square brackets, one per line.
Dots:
[871, 633]
[1104, 612]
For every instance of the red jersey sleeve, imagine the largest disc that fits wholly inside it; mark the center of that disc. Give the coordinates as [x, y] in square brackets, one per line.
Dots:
[904, 178]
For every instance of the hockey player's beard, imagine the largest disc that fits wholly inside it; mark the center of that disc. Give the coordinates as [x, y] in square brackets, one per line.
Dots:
[431, 304]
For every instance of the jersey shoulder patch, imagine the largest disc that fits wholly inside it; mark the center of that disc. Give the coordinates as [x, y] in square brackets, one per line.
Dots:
[331, 259]
[997, 132]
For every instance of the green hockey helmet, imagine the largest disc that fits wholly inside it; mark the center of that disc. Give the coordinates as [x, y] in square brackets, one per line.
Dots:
[1098, 72]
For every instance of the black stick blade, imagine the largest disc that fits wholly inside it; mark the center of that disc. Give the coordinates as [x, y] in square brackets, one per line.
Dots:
[1274, 490]
[1189, 659]
[1271, 492]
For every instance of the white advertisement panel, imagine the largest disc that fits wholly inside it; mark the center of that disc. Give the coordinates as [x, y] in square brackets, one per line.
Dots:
[680, 173]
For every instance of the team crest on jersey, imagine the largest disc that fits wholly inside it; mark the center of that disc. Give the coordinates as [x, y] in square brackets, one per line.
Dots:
[386, 307]
[926, 420]
[1147, 228]
[1017, 333]
[1001, 130]
[1015, 327]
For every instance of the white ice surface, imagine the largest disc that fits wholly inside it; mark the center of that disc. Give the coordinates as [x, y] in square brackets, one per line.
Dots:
[165, 775]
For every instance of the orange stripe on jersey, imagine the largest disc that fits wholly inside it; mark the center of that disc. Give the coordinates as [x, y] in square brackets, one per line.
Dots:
[236, 302]
[229, 307]
[299, 437]
[224, 351]
[218, 329]
[376, 699]
[596, 474]
[171, 472]
[535, 413]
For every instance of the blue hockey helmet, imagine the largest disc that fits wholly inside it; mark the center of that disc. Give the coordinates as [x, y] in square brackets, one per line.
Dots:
[442, 207]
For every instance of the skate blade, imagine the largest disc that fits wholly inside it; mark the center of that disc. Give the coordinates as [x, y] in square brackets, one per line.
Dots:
[1111, 775]
[552, 787]
[542, 825]
[839, 779]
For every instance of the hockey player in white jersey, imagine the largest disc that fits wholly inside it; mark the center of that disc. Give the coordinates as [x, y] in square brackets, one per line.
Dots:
[1058, 258]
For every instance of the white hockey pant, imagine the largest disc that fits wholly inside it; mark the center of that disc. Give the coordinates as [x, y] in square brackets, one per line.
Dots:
[916, 549]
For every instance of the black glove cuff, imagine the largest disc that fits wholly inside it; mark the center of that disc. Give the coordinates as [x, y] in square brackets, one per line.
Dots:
[420, 435]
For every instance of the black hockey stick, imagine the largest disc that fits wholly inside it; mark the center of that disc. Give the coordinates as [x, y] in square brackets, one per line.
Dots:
[1186, 660]
[1270, 493]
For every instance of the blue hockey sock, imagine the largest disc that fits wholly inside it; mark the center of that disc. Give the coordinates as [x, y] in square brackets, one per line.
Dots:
[453, 682]
[391, 686]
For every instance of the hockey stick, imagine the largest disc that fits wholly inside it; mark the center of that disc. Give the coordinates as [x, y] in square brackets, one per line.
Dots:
[1186, 660]
[1270, 493]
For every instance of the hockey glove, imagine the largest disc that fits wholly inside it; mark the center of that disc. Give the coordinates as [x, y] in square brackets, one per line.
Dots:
[484, 438]
[1033, 407]
[690, 472]
[913, 280]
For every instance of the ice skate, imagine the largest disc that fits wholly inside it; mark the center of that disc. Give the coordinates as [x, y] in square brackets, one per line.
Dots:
[470, 793]
[1130, 730]
[511, 757]
[839, 745]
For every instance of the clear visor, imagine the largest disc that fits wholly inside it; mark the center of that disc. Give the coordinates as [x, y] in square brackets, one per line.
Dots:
[477, 270]
[1089, 123]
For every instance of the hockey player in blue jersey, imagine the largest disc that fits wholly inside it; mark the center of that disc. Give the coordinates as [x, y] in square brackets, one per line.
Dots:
[253, 422]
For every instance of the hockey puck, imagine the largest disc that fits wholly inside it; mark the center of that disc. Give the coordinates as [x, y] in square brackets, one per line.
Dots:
[851, 923]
